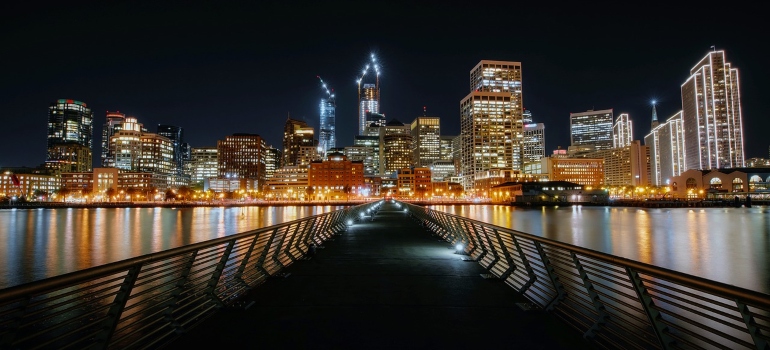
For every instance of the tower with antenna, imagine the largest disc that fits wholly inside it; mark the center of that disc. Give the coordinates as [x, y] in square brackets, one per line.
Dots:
[368, 94]
[327, 135]
[654, 115]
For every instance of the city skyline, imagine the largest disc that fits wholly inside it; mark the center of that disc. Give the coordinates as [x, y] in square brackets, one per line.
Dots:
[251, 90]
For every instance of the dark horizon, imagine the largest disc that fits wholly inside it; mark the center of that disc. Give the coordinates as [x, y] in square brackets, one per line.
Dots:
[219, 69]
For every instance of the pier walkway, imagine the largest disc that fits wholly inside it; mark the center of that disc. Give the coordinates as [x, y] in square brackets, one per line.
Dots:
[386, 283]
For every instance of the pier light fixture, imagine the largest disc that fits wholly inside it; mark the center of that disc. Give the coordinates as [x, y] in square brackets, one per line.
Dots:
[350, 222]
[459, 248]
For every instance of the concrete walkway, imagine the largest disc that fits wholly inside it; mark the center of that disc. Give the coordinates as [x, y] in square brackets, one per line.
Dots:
[386, 284]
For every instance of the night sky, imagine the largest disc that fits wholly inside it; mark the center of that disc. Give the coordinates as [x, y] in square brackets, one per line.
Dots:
[217, 68]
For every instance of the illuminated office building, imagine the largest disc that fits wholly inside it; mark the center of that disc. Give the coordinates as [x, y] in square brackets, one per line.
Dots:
[243, 157]
[395, 147]
[534, 139]
[622, 133]
[272, 161]
[368, 94]
[296, 135]
[591, 128]
[327, 137]
[426, 141]
[180, 151]
[711, 115]
[491, 120]
[112, 124]
[69, 122]
[202, 164]
[366, 149]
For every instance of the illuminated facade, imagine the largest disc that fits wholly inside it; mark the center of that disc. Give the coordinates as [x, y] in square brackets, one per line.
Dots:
[622, 133]
[583, 171]
[666, 144]
[179, 147]
[243, 157]
[139, 184]
[32, 183]
[712, 116]
[272, 161]
[491, 124]
[534, 142]
[113, 123]
[70, 156]
[426, 141]
[625, 166]
[591, 128]
[288, 182]
[443, 170]
[445, 147]
[395, 147]
[296, 134]
[202, 164]
[126, 145]
[69, 122]
[331, 177]
[414, 182]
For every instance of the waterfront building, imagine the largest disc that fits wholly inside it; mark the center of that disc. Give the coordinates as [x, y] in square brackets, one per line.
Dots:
[591, 128]
[243, 156]
[712, 116]
[426, 141]
[288, 183]
[157, 157]
[583, 171]
[112, 124]
[457, 147]
[395, 147]
[625, 166]
[622, 132]
[70, 122]
[547, 191]
[491, 124]
[202, 164]
[337, 177]
[666, 145]
[296, 134]
[96, 184]
[722, 184]
[413, 182]
[126, 145]
[30, 183]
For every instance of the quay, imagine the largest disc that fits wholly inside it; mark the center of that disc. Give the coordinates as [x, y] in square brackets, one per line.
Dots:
[383, 284]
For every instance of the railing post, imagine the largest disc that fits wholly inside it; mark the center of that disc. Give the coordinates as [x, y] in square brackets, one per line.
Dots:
[212, 285]
[511, 264]
[293, 238]
[278, 249]
[527, 267]
[116, 310]
[561, 293]
[260, 265]
[661, 330]
[475, 238]
[175, 295]
[598, 305]
[245, 262]
[751, 325]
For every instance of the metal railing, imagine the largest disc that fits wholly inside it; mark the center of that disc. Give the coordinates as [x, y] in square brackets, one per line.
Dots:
[615, 302]
[146, 301]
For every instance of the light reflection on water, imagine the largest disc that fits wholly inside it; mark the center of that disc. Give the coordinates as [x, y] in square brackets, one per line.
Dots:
[40, 243]
[730, 245]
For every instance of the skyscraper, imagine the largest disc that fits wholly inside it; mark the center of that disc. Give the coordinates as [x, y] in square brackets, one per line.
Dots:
[70, 124]
[711, 115]
[242, 157]
[395, 147]
[666, 145]
[491, 127]
[426, 141]
[327, 137]
[176, 135]
[369, 94]
[622, 133]
[591, 128]
[296, 136]
[533, 143]
[111, 125]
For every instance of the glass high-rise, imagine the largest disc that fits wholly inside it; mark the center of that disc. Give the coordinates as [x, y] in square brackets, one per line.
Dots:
[176, 135]
[111, 125]
[368, 102]
[327, 135]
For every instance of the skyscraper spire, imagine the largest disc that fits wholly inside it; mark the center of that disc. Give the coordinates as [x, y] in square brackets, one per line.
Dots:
[654, 115]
